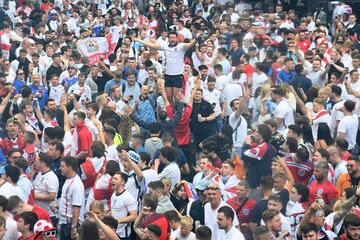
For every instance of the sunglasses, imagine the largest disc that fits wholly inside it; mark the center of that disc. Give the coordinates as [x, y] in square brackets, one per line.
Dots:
[49, 233]
[21, 73]
[213, 188]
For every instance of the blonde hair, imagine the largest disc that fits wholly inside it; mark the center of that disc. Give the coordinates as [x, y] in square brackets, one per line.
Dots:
[324, 90]
[186, 221]
[265, 89]
[97, 205]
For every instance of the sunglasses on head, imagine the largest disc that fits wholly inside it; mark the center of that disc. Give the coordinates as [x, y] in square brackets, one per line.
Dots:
[51, 233]
[213, 188]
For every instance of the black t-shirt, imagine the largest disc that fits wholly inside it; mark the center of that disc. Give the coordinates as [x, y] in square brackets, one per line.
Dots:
[53, 70]
[258, 209]
[203, 108]
[333, 69]
[355, 182]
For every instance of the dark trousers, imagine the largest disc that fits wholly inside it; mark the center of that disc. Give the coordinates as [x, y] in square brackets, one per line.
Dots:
[65, 231]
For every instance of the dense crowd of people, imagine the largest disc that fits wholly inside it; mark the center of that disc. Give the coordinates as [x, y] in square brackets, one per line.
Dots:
[201, 120]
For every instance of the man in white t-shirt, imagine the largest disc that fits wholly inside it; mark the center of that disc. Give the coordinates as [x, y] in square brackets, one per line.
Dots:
[213, 95]
[238, 124]
[211, 210]
[72, 201]
[336, 114]
[221, 79]
[353, 90]
[348, 125]
[172, 170]
[46, 183]
[123, 205]
[233, 90]
[225, 219]
[10, 227]
[284, 113]
[174, 57]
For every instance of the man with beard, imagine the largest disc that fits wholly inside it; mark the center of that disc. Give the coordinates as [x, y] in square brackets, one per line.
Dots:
[351, 227]
[350, 179]
[174, 54]
[257, 156]
[321, 189]
[225, 219]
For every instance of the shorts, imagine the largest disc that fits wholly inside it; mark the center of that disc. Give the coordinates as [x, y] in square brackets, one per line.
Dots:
[174, 81]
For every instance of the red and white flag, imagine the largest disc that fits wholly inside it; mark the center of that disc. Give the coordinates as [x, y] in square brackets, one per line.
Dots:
[95, 48]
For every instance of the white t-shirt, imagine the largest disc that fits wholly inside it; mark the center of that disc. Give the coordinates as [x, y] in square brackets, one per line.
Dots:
[240, 133]
[349, 125]
[174, 57]
[221, 82]
[149, 176]
[171, 171]
[258, 80]
[45, 183]
[121, 205]
[26, 186]
[340, 169]
[286, 112]
[285, 225]
[11, 230]
[232, 91]
[112, 153]
[233, 234]
[211, 220]
[336, 115]
[176, 235]
[8, 190]
[73, 194]
[213, 97]
[186, 33]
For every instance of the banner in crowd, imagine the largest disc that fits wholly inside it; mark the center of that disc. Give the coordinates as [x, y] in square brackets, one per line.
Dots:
[95, 48]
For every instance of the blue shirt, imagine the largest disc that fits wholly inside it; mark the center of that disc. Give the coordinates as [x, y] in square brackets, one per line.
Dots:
[43, 97]
[17, 85]
[284, 76]
[70, 82]
[109, 84]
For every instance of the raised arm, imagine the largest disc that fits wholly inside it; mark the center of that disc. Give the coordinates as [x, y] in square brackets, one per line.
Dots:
[196, 86]
[150, 44]
[161, 83]
[109, 233]
[67, 127]
[6, 100]
[288, 174]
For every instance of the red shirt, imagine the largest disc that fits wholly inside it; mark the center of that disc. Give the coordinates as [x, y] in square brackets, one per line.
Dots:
[346, 155]
[41, 213]
[8, 144]
[159, 220]
[31, 237]
[301, 172]
[243, 214]
[304, 45]
[249, 70]
[182, 129]
[326, 190]
[84, 138]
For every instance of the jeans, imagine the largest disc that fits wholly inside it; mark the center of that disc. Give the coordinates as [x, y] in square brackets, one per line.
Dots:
[65, 231]
[219, 124]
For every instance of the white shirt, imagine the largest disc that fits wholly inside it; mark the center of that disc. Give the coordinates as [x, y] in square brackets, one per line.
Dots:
[336, 115]
[75, 89]
[232, 91]
[73, 194]
[174, 59]
[211, 220]
[55, 93]
[315, 77]
[149, 176]
[285, 226]
[112, 153]
[233, 234]
[46, 183]
[171, 171]
[284, 111]
[339, 169]
[221, 82]
[11, 229]
[186, 33]
[177, 235]
[121, 205]
[240, 133]
[213, 97]
[349, 125]
[26, 186]
[258, 81]
[8, 190]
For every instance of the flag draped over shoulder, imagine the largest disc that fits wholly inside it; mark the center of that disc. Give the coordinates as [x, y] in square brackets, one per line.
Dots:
[94, 48]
